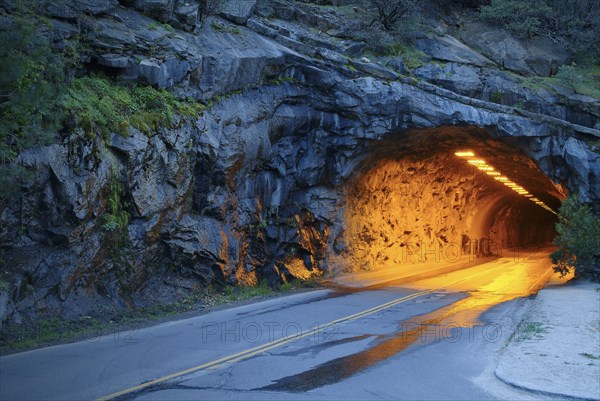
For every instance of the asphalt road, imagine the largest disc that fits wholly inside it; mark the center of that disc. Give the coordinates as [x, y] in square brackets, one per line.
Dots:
[436, 338]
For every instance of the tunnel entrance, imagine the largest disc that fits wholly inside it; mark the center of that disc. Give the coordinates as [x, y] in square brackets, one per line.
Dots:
[413, 200]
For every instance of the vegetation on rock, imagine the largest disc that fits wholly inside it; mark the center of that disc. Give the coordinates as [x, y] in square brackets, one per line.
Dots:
[573, 23]
[578, 240]
[100, 105]
[31, 80]
[116, 217]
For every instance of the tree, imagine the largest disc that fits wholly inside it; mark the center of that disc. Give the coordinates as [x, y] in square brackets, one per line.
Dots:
[208, 7]
[578, 239]
[574, 23]
[31, 75]
[389, 12]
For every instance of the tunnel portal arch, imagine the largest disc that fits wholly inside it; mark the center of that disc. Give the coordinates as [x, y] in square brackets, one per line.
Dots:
[412, 200]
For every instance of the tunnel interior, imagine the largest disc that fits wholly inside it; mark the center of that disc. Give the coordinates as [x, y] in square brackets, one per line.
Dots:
[413, 200]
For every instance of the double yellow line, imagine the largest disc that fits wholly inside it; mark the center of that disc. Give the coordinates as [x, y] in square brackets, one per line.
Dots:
[277, 343]
[262, 348]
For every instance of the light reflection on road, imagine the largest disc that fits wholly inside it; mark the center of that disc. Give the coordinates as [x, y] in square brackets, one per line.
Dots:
[485, 285]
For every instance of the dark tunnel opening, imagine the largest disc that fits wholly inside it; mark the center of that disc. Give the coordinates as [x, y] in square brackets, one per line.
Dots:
[413, 199]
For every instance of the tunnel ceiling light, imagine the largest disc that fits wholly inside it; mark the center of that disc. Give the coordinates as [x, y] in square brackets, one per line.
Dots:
[482, 165]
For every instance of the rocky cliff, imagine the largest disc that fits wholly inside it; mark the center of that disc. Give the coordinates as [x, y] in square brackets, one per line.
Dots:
[279, 176]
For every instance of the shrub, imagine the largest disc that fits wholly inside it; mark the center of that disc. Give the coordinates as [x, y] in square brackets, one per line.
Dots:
[521, 17]
[568, 76]
[116, 218]
[389, 12]
[578, 239]
[208, 7]
[574, 23]
[30, 82]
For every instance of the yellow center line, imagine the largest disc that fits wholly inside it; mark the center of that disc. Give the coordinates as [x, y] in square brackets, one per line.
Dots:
[277, 343]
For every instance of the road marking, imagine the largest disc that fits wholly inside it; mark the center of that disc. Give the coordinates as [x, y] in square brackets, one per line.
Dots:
[262, 348]
[277, 343]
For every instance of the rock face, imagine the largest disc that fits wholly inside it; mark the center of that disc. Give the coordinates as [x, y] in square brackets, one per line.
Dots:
[536, 57]
[263, 185]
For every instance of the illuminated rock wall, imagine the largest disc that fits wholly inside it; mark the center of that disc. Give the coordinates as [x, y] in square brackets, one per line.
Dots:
[422, 207]
[405, 211]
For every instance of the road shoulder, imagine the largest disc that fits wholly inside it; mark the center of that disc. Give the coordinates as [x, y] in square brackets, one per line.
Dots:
[556, 347]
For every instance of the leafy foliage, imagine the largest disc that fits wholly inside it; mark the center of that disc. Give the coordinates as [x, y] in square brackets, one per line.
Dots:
[116, 218]
[578, 238]
[575, 23]
[30, 82]
[100, 105]
[567, 75]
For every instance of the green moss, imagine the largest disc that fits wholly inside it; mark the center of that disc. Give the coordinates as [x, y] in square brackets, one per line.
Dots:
[496, 97]
[222, 28]
[100, 106]
[155, 25]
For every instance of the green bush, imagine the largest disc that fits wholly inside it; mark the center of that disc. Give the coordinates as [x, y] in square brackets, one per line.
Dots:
[578, 239]
[30, 82]
[574, 23]
[568, 76]
[518, 16]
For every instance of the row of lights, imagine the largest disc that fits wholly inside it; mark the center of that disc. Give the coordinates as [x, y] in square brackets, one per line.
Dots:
[492, 172]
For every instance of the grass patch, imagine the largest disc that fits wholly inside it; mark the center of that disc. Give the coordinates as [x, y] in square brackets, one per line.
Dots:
[411, 57]
[584, 80]
[222, 28]
[155, 25]
[100, 106]
[590, 80]
[590, 356]
[242, 293]
[530, 330]
[296, 284]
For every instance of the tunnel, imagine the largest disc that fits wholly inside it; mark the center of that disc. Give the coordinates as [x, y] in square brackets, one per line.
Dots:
[439, 194]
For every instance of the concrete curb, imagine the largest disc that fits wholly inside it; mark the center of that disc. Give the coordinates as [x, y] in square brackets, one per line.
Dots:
[531, 389]
[549, 351]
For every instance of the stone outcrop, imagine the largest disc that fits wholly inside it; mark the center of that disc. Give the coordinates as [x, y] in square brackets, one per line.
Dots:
[257, 186]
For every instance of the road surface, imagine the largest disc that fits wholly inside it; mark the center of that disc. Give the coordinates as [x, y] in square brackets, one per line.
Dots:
[436, 338]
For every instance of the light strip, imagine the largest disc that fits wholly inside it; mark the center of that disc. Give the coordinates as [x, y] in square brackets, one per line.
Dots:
[491, 171]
